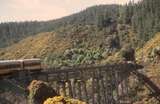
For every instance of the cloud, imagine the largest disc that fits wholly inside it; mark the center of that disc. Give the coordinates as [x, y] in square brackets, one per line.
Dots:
[22, 10]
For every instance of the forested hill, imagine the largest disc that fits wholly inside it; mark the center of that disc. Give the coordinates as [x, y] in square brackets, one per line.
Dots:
[143, 17]
[14, 31]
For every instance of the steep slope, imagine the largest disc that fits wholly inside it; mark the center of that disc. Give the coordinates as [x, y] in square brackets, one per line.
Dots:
[72, 44]
[143, 17]
[148, 47]
[152, 70]
[36, 46]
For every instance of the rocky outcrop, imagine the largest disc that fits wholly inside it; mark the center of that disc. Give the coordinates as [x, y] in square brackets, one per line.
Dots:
[39, 91]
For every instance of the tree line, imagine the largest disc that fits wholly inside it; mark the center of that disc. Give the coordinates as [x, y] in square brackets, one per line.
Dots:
[143, 17]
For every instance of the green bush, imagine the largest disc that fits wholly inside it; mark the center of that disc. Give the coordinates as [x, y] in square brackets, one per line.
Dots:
[128, 53]
[74, 56]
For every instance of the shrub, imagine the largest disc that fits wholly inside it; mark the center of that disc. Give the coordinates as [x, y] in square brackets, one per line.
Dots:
[128, 53]
[62, 100]
[154, 55]
[157, 51]
[75, 56]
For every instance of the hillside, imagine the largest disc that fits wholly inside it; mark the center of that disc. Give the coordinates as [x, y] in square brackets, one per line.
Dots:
[96, 35]
[36, 46]
[148, 48]
[142, 17]
[70, 45]
[13, 32]
[152, 70]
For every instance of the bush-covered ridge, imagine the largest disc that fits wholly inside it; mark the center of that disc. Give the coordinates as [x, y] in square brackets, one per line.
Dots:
[143, 17]
[15, 31]
[36, 46]
[72, 45]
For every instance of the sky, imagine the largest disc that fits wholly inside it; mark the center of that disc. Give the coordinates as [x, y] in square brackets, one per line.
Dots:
[27, 10]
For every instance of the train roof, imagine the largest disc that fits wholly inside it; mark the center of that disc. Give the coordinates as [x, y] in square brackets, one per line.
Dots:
[20, 60]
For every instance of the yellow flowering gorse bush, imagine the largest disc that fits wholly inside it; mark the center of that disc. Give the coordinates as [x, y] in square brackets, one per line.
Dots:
[62, 100]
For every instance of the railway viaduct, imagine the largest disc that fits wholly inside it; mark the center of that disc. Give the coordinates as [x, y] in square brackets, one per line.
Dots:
[102, 84]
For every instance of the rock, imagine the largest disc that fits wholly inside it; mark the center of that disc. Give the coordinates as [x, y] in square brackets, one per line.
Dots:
[39, 91]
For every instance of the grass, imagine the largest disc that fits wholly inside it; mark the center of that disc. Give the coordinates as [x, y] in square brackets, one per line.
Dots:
[148, 47]
[36, 46]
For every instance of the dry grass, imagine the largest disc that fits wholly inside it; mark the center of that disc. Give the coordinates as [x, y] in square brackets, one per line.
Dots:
[36, 46]
[154, 42]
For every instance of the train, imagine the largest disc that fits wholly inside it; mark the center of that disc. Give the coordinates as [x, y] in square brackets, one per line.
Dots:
[8, 67]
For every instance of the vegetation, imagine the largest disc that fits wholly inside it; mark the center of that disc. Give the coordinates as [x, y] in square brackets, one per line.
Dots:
[93, 36]
[147, 53]
[85, 39]
[128, 53]
[74, 57]
[13, 32]
[36, 47]
[39, 91]
[62, 100]
[143, 17]
[106, 28]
